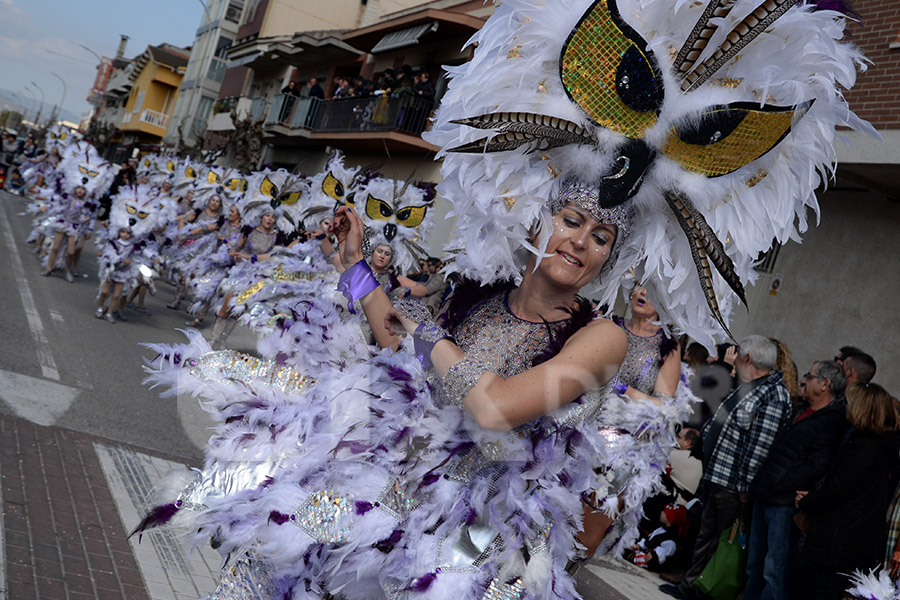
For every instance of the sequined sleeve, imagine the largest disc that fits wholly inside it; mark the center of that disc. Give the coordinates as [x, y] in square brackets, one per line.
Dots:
[460, 378]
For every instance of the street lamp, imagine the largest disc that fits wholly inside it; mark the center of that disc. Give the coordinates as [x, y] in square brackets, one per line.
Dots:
[65, 89]
[33, 97]
[37, 120]
[99, 58]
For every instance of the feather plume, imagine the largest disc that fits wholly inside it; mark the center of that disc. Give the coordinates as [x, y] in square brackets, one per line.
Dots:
[740, 36]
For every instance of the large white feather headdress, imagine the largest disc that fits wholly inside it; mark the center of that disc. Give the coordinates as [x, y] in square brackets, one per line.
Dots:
[717, 122]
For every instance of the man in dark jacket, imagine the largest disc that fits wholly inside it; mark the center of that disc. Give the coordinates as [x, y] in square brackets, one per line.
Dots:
[799, 458]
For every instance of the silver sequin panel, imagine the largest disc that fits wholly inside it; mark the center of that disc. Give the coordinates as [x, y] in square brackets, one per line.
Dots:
[641, 364]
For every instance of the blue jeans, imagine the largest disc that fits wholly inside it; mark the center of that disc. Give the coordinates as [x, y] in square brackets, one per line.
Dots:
[773, 537]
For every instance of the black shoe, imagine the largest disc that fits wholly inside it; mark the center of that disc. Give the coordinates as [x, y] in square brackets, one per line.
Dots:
[671, 590]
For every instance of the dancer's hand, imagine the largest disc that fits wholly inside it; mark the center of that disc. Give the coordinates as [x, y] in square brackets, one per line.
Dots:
[349, 229]
[398, 324]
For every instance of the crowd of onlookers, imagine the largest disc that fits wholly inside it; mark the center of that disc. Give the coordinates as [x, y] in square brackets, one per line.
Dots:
[13, 152]
[807, 467]
[412, 81]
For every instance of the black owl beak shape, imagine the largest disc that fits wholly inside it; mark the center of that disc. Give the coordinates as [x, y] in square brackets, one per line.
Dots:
[84, 180]
[624, 179]
[220, 190]
[390, 231]
[132, 221]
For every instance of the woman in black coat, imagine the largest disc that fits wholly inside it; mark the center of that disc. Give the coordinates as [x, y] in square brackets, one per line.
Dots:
[847, 522]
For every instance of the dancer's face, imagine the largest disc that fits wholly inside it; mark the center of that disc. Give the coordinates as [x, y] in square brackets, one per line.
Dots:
[381, 257]
[641, 305]
[215, 204]
[268, 221]
[578, 248]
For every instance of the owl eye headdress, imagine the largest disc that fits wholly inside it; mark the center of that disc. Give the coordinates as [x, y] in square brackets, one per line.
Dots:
[399, 213]
[57, 135]
[713, 124]
[333, 187]
[137, 207]
[280, 193]
[86, 169]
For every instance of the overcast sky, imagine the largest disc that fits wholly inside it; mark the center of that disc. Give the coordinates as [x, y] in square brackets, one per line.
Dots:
[40, 37]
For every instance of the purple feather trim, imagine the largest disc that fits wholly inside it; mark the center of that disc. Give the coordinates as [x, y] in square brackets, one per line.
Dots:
[398, 374]
[422, 583]
[362, 507]
[278, 518]
[158, 515]
[430, 478]
[388, 543]
[841, 6]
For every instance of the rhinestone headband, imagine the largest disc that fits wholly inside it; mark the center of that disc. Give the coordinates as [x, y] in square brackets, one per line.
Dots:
[587, 197]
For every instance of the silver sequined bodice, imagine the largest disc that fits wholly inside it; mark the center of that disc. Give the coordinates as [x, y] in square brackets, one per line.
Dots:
[642, 361]
[228, 232]
[259, 242]
[501, 342]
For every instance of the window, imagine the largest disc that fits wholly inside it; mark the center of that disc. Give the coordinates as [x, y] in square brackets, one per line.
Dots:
[139, 103]
[250, 12]
[217, 69]
[204, 108]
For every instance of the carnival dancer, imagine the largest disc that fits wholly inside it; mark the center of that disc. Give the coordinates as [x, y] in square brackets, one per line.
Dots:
[115, 273]
[570, 146]
[196, 237]
[85, 176]
[270, 196]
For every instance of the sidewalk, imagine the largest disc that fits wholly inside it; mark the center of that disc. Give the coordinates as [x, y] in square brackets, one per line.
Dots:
[69, 500]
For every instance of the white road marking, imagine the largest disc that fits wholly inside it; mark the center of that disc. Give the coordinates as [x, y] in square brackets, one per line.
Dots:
[36, 400]
[4, 592]
[45, 356]
[170, 571]
[81, 378]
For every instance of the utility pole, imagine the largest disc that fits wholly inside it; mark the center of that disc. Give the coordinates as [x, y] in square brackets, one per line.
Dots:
[62, 101]
[37, 119]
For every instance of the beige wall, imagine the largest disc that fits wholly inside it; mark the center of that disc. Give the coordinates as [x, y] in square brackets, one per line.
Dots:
[289, 16]
[841, 287]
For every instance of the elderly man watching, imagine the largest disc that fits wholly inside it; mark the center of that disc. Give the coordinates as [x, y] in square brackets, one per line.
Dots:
[736, 442]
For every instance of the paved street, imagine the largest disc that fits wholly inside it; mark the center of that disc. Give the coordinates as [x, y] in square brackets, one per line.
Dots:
[82, 443]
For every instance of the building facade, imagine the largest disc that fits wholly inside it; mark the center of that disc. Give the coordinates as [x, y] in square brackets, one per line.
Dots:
[204, 72]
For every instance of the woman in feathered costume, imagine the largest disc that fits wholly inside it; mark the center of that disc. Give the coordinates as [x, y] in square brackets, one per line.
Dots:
[269, 199]
[194, 233]
[605, 144]
[134, 216]
[84, 178]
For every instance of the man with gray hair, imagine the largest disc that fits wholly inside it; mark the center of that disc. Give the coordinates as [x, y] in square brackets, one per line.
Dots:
[799, 458]
[736, 441]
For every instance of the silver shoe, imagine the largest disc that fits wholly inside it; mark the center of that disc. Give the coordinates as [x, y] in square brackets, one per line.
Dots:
[109, 318]
[69, 277]
[99, 313]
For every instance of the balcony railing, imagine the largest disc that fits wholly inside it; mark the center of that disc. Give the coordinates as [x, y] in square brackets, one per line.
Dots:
[408, 114]
[155, 118]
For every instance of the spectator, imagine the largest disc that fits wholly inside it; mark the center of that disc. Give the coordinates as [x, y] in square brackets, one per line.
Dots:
[315, 90]
[847, 528]
[799, 458]
[291, 88]
[341, 90]
[431, 291]
[695, 355]
[424, 88]
[15, 183]
[786, 365]
[736, 441]
[859, 367]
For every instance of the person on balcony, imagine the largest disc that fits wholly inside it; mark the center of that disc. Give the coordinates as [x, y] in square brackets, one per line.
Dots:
[314, 90]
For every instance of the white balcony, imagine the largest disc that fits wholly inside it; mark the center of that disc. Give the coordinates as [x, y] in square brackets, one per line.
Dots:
[155, 118]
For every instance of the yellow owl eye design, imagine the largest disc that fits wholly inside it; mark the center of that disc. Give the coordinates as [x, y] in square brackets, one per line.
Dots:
[332, 187]
[411, 216]
[190, 173]
[170, 166]
[85, 171]
[378, 210]
[625, 99]
[213, 178]
[725, 138]
[130, 209]
[289, 198]
[142, 214]
[267, 188]
[350, 200]
[63, 135]
[236, 185]
[147, 162]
